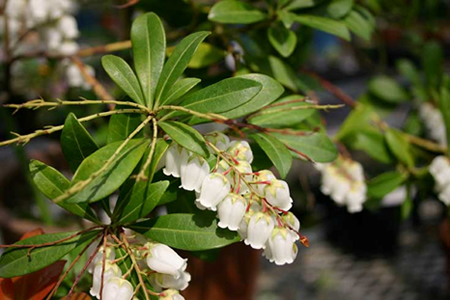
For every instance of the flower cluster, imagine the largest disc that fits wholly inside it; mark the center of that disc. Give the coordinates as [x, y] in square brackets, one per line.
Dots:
[440, 169]
[343, 181]
[255, 204]
[165, 269]
[434, 122]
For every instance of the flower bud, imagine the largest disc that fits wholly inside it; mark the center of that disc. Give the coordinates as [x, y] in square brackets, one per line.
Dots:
[263, 176]
[281, 247]
[111, 270]
[277, 194]
[292, 220]
[231, 211]
[175, 156]
[163, 259]
[241, 150]
[215, 187]
[110, 255]
[117, 289]
[193, 172]
[218, 139]
[164, 281]
[259, 229]
[171, 295]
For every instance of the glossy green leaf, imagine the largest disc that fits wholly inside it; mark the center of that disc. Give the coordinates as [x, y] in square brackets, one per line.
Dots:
[399, 146]
[122, 74]
[139, 201]
[286, 75]
[186, 136]
[298, 4]
[222, 96]
[149, 52]
[177, 63]
[235, 12]
[276, 151]
[324, 24]
[271, 90]
[171, 193]
[76, 142]
[206, 55]
[180, 88]
[385, 183]
[284, 113]
[339, 8]
[316, 146]
[53, 184]
[373, 143]
[122, 125]
[286, 18]
[282, 39]
[187, 231]
[387, 89]
[114, 176]
[359, 25]
[16, 262]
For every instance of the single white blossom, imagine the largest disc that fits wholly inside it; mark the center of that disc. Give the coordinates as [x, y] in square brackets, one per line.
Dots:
[117, 288]
[281, 247]
[111, 270]
[259, 229]
[163, 259]
[231, 211]
[215, 187]
[277, 194]
[193, 172]
[241, 151]
[165, 281]
[175, 157]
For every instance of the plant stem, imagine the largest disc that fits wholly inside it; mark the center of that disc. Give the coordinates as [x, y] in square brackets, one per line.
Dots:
[141, 175]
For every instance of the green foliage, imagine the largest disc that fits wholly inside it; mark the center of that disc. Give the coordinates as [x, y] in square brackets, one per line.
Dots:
[324, 24]
[387, 89]
[282, 39]
[276, 151]
[235, 12]
[122, 125]
[192, 232]
[399, 147]
[16, 262]
[385, 183]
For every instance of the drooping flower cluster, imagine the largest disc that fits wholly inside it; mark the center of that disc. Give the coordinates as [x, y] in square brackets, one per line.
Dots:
[255, 204]
[440, 169]
[434, 122]
[165, 269]
[343, 181]
[47, 26]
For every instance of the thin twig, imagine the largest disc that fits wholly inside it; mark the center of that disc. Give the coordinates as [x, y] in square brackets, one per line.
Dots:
[141, 175]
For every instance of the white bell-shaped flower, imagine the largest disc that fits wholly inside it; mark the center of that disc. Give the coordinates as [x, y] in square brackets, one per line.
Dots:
[259, 229]
[193, 172]
[164, 281]
[171, 295]
[215, 187]
[281, 247]
[163, 259]
[263, 178]
[175, 156]
[277, 194]
[218, 139]
[231, 211]
[111, 270]
[241, 150]
[292, 220]
[117, 288]
[98, 258]
[68, 27]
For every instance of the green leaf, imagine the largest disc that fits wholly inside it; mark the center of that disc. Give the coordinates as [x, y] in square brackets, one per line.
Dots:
[187, 231]
[282, 39]
[139, 201]
[298, 4]
[385, 183]
[122, 125]
[149, 52]
[122, 74]
[177, 63]
[359, 25]
[444, 105]
[276, 151]
[286, 18]
[286, 75]
[180, 88]
[387, 89]
[222, 96]
[271, 90]
[399, 146]
[339, 8]
[114, 176]
[324, 24]
[16, 262]
[317, 146]
[76, 142]
[407, 69]
[286, 113]
[432, 63]
[235, 12]
[359, 118]
[53, 184]
[186, 136]
[206, 55]
[373, 143]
